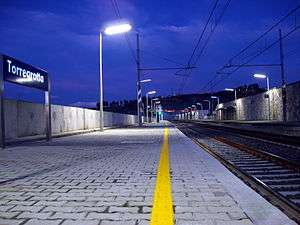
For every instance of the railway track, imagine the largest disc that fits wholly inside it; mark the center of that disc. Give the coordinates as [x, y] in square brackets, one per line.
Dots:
[275, 176]
[266, 136]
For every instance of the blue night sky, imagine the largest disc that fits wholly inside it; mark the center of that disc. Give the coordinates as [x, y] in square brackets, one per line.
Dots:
[62, 37]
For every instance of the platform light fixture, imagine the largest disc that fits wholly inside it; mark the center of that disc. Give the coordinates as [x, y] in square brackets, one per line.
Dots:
[216, 97]
[147, 100]
[232, 90]
[257, 75]
[145, 81]
[151, 92]
[117, 29]
[111, 30]
[154, 103]
[209, 104]
[200, 104]
[201, 110]
[263, 76]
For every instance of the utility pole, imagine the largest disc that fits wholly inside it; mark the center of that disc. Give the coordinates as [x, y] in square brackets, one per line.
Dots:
[283, 80]
[138, 83]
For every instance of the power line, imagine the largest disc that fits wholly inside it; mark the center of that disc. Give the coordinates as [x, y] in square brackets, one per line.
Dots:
[212, 31]
[163, 58]
[184, 80]
[265, 33]
[256, 53]
[218, 20]
[203, 31]
[166, 68]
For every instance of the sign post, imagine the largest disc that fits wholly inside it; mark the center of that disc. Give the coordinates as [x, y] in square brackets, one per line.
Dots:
[2, 121]
[15, 71]
[48, 111]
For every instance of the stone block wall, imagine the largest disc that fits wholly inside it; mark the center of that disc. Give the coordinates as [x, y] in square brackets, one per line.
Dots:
[261, 107]
[293, 101]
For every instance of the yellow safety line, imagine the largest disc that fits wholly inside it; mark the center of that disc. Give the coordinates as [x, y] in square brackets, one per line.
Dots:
[162, 211]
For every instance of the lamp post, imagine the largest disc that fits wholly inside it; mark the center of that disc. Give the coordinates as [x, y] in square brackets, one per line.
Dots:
[209, 106]
[201, 106]
[156, 104]
[184, 113]
[153, 106]
[263, 76]
[231, 89]
[235, 101]
[215, 97]
[201, 109]
[139, 97]
[193, 107]
[218, 99]
[147, 109]
[189, 112]
[111, 30]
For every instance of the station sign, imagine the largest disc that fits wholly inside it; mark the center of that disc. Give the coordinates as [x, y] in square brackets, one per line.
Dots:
[15, 71]
[21, 73]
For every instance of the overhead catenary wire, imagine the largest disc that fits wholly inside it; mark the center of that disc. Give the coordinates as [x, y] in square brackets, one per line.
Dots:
[265, 33]
[253, 54]
[218, 20]
[184, 80]
[212, 31]
[203, 31]
[258, 54]
[163, 58]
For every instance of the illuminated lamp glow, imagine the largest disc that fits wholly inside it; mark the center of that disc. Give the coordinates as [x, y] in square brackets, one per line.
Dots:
[145, 81]
[262, 76]
[151, 92]
[117, 29]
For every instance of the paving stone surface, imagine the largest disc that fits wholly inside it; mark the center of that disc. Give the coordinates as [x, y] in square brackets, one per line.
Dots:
[198, 197]
[109, 179]
[84, 179]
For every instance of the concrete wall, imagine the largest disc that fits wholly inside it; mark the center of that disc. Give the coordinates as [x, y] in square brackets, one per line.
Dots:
[260, 107]
[27, 119]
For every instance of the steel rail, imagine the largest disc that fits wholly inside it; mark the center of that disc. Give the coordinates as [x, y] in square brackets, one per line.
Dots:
[262, 154]
[279, 138]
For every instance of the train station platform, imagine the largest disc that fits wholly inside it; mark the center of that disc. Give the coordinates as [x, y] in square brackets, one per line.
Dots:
[131, 176]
